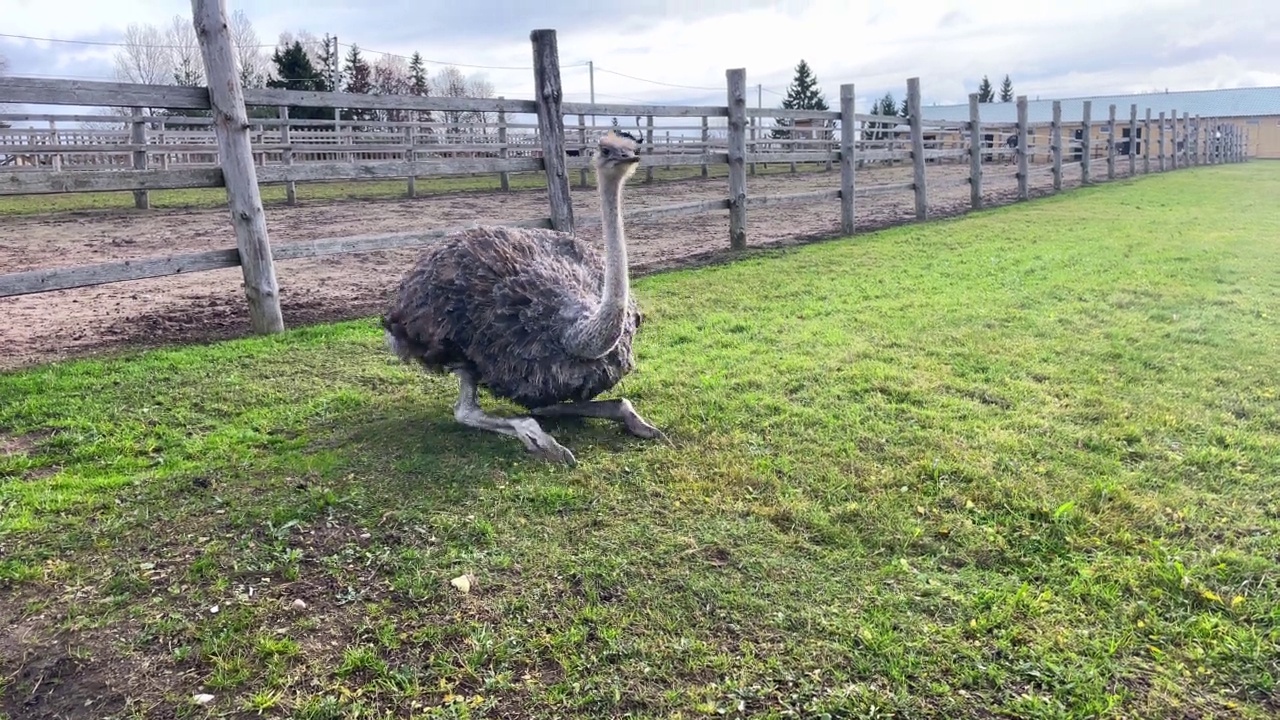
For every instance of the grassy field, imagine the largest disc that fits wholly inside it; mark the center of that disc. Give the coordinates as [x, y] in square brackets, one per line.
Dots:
[1022, 463]
[198, 198]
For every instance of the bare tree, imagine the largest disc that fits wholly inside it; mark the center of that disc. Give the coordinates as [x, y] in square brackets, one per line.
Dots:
[144, 57]
[450, 82]
[391, 77]
[249, 56]
[184, 51]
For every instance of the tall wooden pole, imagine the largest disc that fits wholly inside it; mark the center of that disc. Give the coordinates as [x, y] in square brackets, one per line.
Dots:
[231, 124]
[549, 96]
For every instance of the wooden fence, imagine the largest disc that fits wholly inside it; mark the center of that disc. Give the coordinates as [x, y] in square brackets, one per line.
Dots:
[842, 138]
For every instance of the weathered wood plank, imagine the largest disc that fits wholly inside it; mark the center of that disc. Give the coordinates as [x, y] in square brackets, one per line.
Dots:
[794, 114]
[1146, 144]
[231, 123]
[791, 157]
[737, 157]
[917, 148]
[1160, 166]
[1086, 146]
[1024, 179]
[804, 198]
[47, 280]
[975, 153]
[1055, 144]
[848, 147]
[338, 100]
[1111, 141]
[41, 182]
[291, 187]
[718, 158]
[580, 108]
[1186, 138]
[1133, 139]
[56, 91]
[138, 136]
[547, 90]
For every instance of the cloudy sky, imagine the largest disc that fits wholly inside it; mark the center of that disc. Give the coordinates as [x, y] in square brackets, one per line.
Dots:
[677, 52]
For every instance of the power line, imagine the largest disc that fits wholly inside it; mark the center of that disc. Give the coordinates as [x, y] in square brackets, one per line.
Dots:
[657, 82]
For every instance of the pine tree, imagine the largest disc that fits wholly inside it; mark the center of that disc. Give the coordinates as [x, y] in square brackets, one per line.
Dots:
[904, 111]
[1006, 90]
[329, 63]
[986, 93]
[418, 84]
[802, 94]
[359, 81]
[294, 71]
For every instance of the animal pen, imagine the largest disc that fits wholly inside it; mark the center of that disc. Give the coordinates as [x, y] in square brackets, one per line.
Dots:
[934, 168]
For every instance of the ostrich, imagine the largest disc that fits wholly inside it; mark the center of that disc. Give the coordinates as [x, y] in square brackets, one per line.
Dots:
[536, 316]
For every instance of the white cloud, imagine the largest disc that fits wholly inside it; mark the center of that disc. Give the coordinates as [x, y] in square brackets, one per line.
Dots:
[1054, 50]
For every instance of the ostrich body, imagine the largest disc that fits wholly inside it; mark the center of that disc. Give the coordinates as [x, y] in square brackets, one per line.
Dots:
[535, 316]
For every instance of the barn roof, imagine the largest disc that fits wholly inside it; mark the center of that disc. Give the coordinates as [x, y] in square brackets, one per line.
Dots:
[1224, 103]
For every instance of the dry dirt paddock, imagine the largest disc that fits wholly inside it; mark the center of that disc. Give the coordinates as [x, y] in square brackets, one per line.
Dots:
[210, 305]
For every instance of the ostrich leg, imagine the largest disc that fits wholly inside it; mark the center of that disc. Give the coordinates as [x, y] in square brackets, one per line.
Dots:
[620, 410]
[468, 412]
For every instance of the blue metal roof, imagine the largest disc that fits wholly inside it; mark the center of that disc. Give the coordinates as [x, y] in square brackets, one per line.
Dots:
[1224, 103]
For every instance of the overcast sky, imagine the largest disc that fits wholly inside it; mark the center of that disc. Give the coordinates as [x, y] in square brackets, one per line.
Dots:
[1064, 49]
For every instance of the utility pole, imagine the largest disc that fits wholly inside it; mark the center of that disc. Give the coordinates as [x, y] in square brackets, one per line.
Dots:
[591, 72]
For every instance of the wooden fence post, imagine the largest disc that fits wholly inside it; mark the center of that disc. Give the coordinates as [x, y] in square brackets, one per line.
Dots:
[1196, 158]
[286, 156]
[917, 147]
[706, 140]
[504, 177]
[975, 153]
[648, 148]
[1162, 148]
[1173, 140]
[1111, 142]
[1055, 145]
[1024, 182]
[1146, 144]
[737, 103]
[1086, 142]
[847, 121]
[411, 158]
[548, 95]
[582, 149]
[138, 136]
[755, 147]
[1133, 139]
[231, 123]
[1186, 139]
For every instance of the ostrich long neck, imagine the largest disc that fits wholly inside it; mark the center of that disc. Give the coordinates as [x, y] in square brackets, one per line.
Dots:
[595, 335]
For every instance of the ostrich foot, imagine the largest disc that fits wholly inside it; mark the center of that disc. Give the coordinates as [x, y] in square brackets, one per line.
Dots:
[620, 410]
[526, 429]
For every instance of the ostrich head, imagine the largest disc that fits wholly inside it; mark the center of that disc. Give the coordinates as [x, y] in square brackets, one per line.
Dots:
[616, 159]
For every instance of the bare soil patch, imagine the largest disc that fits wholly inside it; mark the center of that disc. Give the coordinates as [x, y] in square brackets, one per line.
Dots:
[208, 306]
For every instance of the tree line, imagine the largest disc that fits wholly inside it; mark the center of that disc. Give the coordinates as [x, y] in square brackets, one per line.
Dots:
[170, 55]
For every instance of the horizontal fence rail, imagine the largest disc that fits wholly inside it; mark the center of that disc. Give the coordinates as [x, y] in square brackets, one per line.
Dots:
[175, 148]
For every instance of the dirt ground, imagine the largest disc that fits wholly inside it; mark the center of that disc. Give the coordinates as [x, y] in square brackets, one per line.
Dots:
[210, 305]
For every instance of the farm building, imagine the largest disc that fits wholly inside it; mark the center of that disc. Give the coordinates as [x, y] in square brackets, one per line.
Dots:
[1255, 111]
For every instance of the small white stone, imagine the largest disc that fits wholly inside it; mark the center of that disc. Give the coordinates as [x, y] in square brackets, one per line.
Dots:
[202, 699]
[299, 604]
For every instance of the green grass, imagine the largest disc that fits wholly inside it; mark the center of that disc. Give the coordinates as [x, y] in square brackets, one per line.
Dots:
[1022, 463]
[203, 198]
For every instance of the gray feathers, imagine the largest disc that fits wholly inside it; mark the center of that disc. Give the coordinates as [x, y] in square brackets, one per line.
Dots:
[497, 301]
